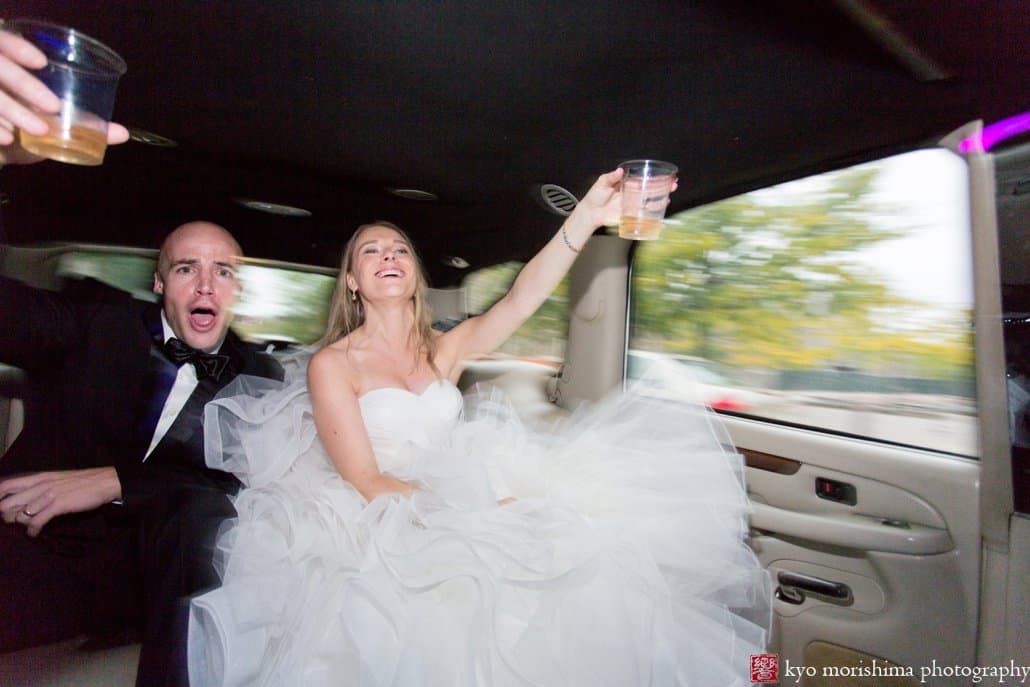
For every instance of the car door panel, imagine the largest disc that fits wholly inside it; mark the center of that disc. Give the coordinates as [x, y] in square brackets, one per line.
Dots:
[906, 551]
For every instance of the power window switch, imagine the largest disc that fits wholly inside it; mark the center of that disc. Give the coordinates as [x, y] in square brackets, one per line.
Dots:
[832, 490]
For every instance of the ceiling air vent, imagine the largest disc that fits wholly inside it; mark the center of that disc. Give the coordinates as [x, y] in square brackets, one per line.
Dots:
[151, 139]
[558, 200]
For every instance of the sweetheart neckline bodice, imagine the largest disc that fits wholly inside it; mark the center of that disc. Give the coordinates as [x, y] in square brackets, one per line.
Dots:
[445, 383]
[395, 417]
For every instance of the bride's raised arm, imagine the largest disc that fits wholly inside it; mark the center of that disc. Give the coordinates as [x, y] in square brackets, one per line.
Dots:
[484, 333]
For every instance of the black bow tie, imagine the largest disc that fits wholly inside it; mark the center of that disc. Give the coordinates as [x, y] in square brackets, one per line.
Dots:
[206, 364]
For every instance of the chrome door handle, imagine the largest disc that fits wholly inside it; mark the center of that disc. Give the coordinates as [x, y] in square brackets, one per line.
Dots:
[794, 586]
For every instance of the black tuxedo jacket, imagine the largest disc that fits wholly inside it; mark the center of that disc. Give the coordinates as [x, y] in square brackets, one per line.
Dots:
[87, 352]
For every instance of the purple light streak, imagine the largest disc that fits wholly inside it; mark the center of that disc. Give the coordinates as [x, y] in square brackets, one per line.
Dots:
[993, 133]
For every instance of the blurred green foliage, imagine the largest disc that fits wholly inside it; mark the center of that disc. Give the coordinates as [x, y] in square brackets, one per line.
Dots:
[282, 304]
[771, 282]
[543, 335]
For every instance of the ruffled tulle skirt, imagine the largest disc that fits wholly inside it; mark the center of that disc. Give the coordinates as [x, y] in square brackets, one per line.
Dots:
[621, 562]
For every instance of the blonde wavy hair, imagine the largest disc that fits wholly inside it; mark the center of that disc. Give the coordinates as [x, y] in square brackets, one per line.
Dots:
[346, 315]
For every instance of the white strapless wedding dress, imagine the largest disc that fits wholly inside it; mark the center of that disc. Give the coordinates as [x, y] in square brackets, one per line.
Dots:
[621, 562]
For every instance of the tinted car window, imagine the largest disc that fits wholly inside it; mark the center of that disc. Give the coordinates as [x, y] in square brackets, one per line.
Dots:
[840, 302]
[542, 336]
[277, 304]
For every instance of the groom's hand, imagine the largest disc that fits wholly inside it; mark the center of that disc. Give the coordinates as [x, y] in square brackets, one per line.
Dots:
[34, 500]
[22, 95]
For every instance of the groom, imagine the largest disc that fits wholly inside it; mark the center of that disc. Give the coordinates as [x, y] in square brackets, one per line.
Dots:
[117, 499]
[110, 511]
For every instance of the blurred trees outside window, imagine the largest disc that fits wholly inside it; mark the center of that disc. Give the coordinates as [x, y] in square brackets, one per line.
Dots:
[542, 336]
[276, 304]
[850, 290]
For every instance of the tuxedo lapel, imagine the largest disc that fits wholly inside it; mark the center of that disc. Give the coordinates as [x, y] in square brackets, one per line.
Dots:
[185, 436]
[158, 379]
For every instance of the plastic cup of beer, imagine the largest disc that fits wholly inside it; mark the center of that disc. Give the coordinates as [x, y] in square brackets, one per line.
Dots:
[646, 185]
[83, 73]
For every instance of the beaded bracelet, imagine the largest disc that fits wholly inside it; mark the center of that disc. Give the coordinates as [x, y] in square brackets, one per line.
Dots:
[565, 238]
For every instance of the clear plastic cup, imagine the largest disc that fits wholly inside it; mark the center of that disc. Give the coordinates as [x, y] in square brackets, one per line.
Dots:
[646, 185]
[83, 73]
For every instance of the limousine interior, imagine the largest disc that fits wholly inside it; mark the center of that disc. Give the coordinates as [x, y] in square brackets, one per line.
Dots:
[842, 276]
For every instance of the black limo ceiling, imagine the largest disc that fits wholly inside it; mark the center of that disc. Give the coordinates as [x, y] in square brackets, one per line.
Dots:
[329, 105]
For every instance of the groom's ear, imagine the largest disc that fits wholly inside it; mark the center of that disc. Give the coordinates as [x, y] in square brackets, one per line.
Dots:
[159, 284]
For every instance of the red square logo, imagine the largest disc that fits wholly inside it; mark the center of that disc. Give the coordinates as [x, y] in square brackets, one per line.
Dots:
[765, 668]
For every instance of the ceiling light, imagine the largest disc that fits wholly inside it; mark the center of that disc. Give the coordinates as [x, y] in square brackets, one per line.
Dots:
[150, 138]
[273, 208]
[412, 194]
[456, 261]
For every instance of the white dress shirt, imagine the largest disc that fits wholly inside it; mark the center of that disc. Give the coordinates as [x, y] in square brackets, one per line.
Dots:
[185, 383]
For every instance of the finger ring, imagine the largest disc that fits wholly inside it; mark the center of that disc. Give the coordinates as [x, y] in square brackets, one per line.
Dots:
[27, 512]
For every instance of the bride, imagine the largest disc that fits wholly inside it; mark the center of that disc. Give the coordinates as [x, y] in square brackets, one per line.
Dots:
[394, 533]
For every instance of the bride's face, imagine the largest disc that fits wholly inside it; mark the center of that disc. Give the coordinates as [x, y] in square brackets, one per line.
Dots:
[383, 265]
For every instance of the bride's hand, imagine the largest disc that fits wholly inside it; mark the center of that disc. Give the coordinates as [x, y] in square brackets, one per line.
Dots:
[601, 204]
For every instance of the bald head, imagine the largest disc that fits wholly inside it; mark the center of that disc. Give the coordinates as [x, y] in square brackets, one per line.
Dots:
[191, 232]
[196, 278]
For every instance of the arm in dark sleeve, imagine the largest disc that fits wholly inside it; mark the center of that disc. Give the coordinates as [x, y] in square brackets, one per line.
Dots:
[141, 482]
[265, 366]
[38, 325]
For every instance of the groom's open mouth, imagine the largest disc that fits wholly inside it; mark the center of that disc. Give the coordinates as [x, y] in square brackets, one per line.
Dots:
[203, 319]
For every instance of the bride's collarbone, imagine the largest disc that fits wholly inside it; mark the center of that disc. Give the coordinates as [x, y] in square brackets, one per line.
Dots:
[400, 370]
[416, 380]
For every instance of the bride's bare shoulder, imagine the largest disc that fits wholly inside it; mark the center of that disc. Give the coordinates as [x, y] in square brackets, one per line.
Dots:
[332, 362]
